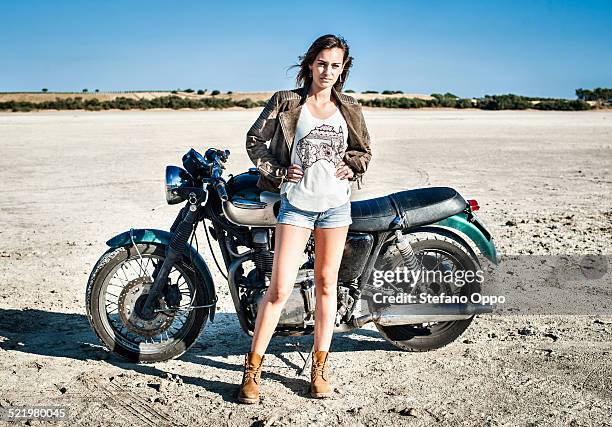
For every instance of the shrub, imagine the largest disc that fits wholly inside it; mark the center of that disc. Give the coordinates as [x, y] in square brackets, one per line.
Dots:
[370, 91]
[44, 89]
[189, 90]
[215, 92]
[201, 92]
[21, 109]
[503, 102]
[93, 105]
[396, 102]
[246, 103]
[464, 103]
[229, 92]
[447, 100]
[562, 105]
[349, 91]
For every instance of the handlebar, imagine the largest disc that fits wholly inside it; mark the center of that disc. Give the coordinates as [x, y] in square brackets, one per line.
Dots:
[217, 158]
[218, 155]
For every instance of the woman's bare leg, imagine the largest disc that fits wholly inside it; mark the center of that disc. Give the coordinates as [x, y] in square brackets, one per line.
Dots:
[289, 244]
[329, 246]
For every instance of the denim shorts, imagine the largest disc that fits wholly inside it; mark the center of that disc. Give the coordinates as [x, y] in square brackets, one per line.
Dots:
[331, 218]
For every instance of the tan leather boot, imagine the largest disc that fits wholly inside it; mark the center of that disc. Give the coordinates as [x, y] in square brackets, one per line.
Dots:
[319, 375]
[249, 390]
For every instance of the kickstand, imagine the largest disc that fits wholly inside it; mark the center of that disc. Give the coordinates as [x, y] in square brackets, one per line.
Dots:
[305, 359]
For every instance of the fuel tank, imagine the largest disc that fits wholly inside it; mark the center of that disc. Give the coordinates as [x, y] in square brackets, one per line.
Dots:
[247, 204]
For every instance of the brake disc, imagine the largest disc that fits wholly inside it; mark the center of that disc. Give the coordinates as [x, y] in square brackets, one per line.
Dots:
[131, 300]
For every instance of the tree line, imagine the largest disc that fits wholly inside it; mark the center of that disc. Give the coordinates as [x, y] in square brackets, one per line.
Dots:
[488, 102]
[122, 103]
[448, 100]
[600, 94]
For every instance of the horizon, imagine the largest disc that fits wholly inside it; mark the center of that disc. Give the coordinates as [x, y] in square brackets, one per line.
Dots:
[192, 91]
[535, 49]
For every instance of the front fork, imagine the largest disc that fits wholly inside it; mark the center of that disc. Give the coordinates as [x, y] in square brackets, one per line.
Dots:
[181, 230]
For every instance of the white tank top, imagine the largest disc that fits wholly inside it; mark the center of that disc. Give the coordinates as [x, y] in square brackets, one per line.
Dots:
[318, 147]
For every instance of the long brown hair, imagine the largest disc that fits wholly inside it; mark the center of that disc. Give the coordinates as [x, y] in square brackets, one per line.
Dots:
[328, 41]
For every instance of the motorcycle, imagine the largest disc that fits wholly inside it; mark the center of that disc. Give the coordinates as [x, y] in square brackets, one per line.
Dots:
[150, 295]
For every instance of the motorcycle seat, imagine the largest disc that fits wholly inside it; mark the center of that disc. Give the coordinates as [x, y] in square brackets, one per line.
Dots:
[406, 209]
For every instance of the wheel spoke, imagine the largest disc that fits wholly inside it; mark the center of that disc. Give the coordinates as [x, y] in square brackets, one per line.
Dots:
[123, 270]
[134, 270]
[147, 266]
[438, 263]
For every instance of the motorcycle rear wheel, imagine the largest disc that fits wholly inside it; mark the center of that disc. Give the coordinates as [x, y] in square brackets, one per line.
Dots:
[432, 335]
[118, 283]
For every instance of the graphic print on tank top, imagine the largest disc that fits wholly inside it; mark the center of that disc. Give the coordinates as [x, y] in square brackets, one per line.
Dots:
[319, 146]
[321, 143]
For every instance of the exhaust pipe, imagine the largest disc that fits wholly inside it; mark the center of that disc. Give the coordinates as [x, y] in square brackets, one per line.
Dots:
[422, 313]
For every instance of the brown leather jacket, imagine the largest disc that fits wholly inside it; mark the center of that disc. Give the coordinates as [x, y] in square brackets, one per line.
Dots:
[277, 123]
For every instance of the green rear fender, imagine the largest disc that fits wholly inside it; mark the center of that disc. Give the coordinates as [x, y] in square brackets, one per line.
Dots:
[460, 223]
[164, 237]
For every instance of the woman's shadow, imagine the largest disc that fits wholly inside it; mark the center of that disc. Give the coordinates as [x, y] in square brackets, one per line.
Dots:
[69, 335]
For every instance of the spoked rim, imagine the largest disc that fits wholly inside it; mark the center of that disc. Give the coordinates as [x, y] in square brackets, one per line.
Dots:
[432, 259]
[138, 269]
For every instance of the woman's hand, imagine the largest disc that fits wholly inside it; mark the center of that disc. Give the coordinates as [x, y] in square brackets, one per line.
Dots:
[294, 173]
[343, 171]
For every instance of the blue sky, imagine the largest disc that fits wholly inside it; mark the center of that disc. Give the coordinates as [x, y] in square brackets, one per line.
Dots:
[470, 48]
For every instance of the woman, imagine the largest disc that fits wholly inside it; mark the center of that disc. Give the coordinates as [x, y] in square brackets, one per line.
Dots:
[318, 142]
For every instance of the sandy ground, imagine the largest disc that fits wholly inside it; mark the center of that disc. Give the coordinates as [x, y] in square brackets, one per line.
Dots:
[73, 179]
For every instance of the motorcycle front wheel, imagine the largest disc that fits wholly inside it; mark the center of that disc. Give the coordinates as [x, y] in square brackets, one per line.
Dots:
[116, 290]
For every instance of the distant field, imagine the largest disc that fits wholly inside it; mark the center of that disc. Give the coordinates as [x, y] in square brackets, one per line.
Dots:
[127, 100]
[109, 96]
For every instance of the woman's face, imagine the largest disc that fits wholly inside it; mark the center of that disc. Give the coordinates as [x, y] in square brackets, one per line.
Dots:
[327, 67]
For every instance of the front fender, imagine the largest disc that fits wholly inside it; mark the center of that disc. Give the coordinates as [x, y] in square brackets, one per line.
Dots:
[163, 237]
[460, 222]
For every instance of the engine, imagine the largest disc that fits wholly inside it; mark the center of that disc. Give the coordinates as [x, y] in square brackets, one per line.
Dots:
[299, 308]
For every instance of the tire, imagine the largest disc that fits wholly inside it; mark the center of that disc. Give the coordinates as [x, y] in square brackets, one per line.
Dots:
[111, 269]
[427, 337]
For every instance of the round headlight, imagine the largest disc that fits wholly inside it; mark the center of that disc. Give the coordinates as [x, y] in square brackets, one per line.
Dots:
[176, 177]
